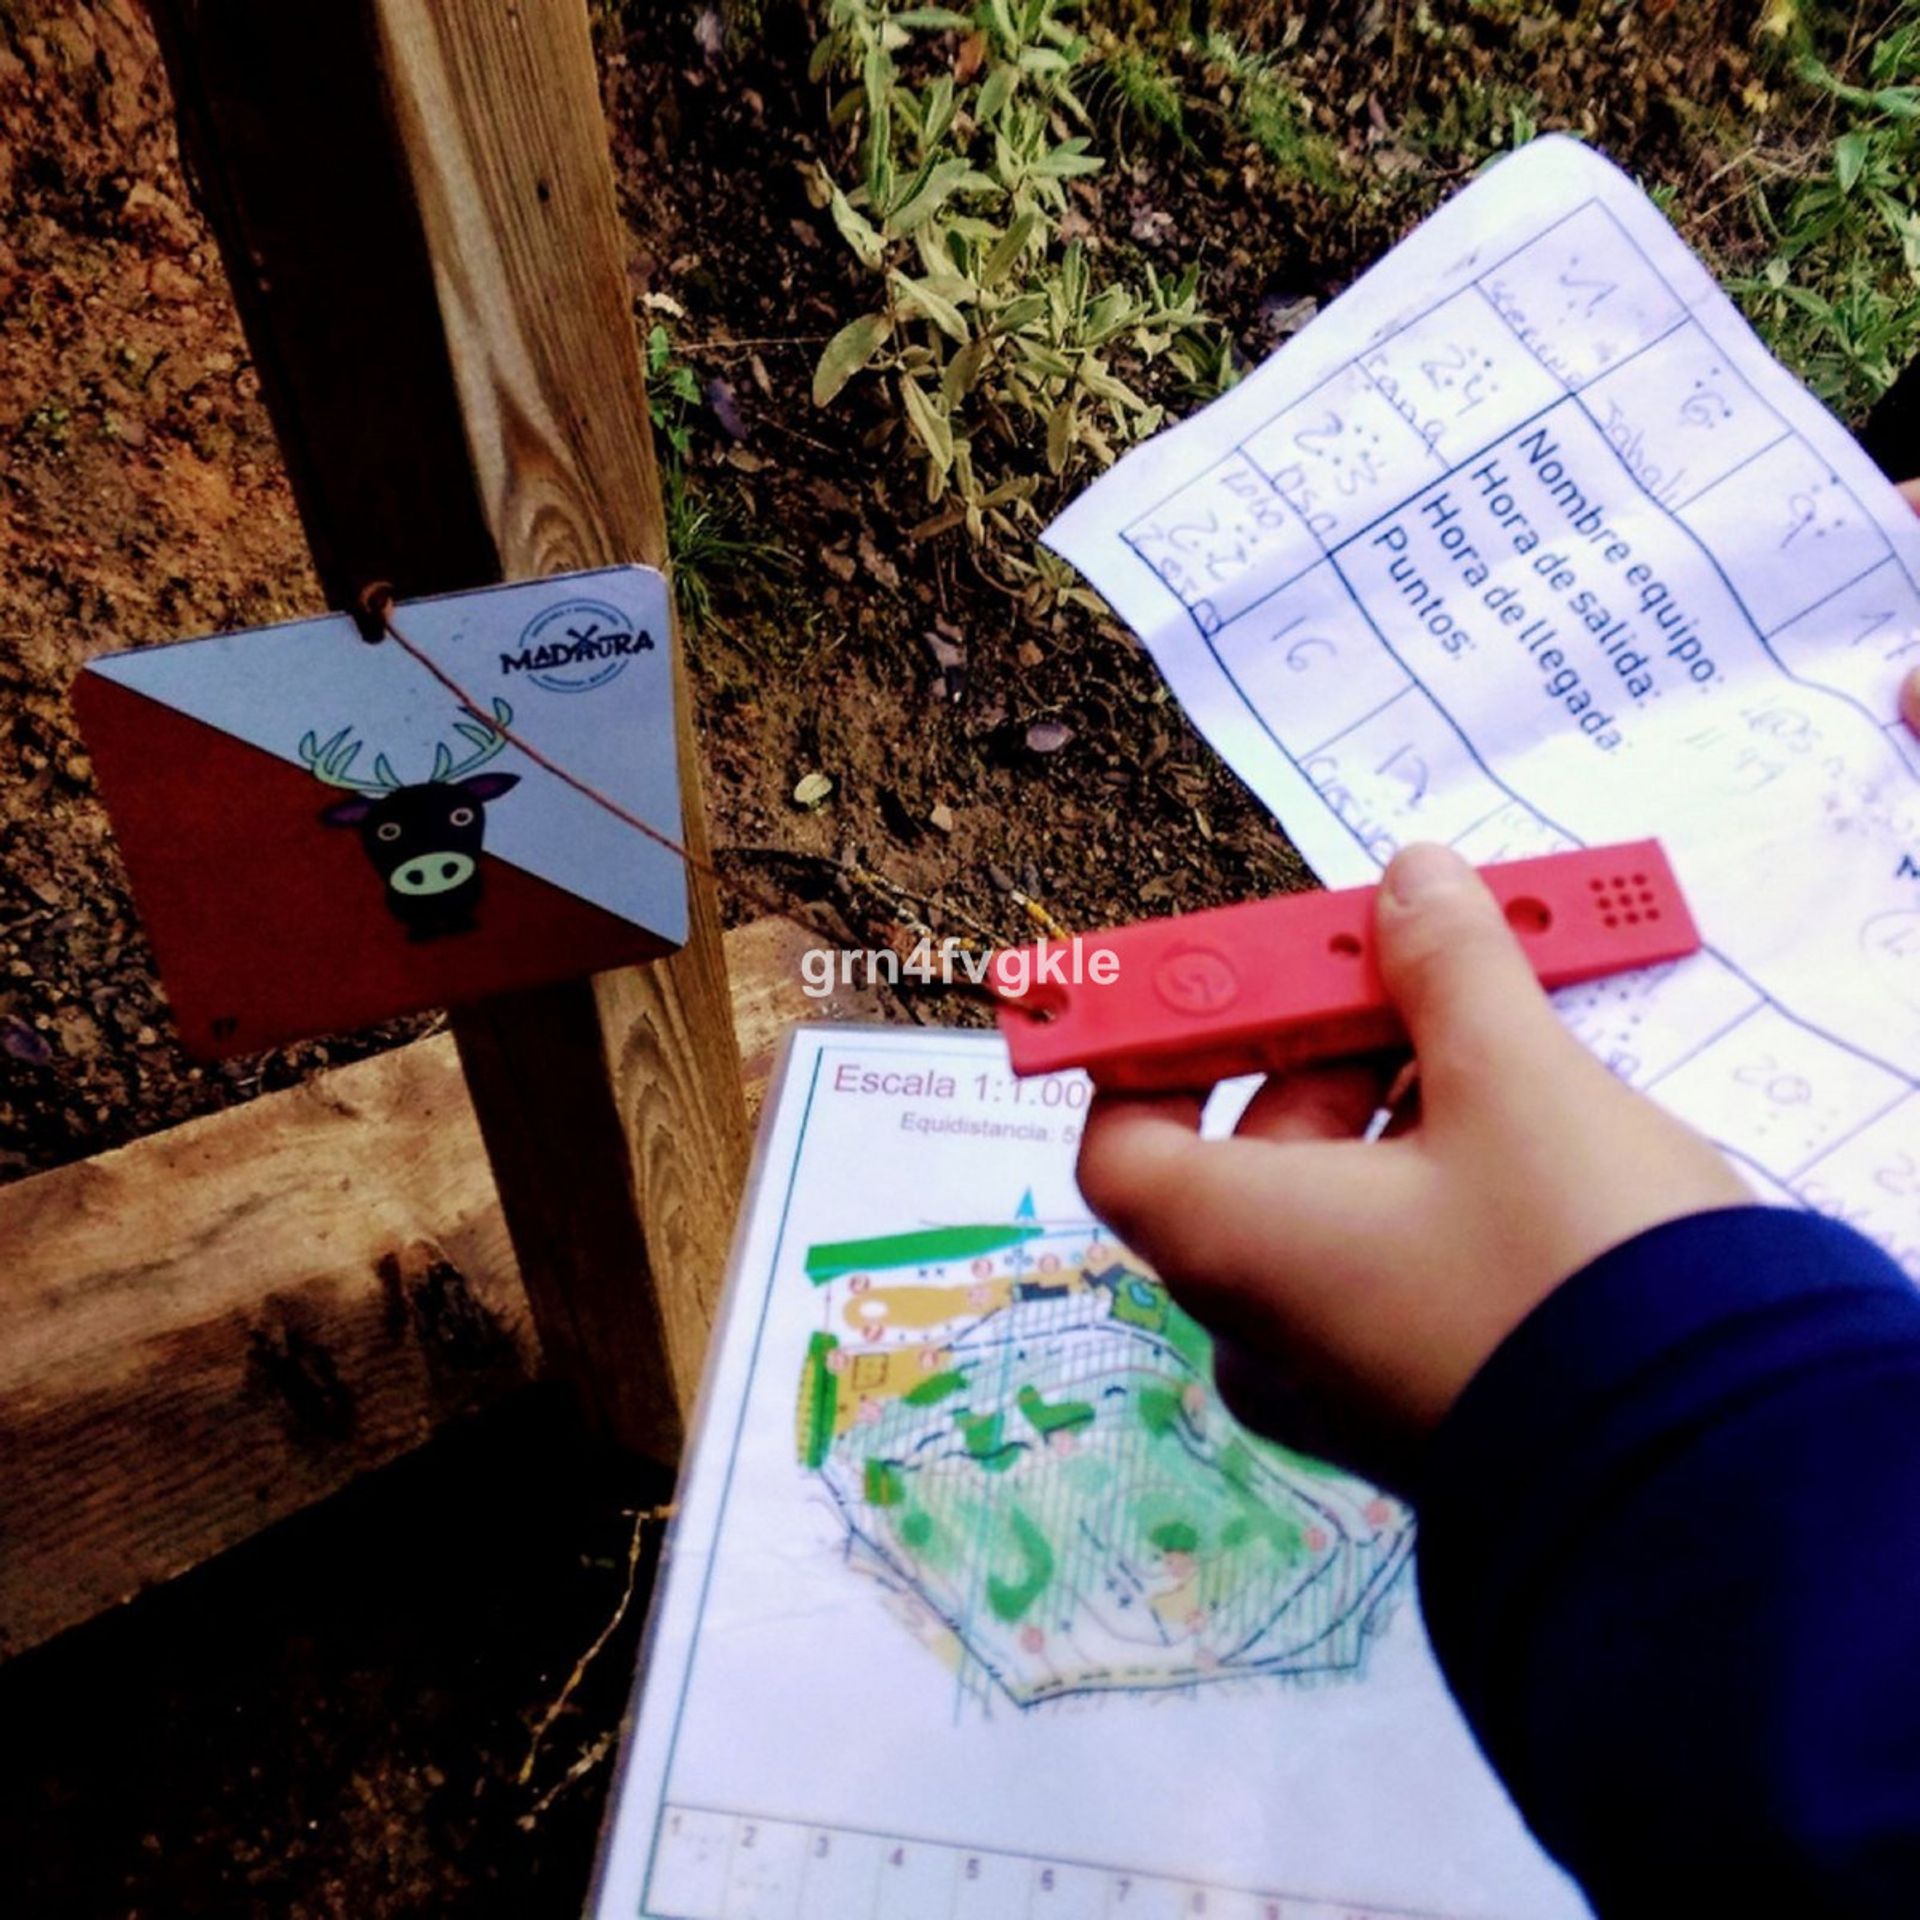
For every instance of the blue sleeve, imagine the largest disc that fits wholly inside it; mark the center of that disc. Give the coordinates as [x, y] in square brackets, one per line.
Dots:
[1670, 1562]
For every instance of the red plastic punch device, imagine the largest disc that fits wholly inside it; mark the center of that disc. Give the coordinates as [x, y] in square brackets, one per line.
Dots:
[1182, 1002]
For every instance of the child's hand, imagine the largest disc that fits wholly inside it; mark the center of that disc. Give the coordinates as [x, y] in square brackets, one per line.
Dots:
[1356, 1288]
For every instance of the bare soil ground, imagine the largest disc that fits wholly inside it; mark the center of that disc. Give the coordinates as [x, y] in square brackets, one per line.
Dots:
[334, 1721]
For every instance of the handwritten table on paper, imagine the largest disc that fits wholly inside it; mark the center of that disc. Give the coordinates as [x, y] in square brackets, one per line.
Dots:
[1528, 543]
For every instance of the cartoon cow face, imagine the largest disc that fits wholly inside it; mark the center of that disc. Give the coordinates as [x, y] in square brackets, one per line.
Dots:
[423, 838]
[424, 842]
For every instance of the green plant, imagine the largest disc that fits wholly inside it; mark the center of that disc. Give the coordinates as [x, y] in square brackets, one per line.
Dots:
[1009, 357]
[704, 537]
[1838, 296]
[673, 394]
[705, 543]
[1270, 114]
[1132, 86]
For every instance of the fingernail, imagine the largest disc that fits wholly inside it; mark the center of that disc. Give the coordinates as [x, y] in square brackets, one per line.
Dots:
[1420, 872]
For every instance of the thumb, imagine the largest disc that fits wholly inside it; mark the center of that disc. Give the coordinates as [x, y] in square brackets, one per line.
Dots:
[1452, 966]
[1910, 701]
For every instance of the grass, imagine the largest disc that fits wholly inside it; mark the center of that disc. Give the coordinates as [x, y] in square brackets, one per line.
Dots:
[1267, 111]
[1831, 184]
[706, 543]
[708, 547]
[1137, 90]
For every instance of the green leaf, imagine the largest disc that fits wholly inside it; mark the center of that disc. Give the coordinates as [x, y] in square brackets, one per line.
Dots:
[937, 308]
[1044, 362]
[1008, 249]
[856, 230]
[1850, 158]
[936, 18]
[932, 241]
[876, 76]
[963, 371]
[847, 352]
[996, 91]
[941, 182]
[939, 112]
[933, 427]
[1022, 311]
[1059, 436]
[1097, 380]
[1068, 161]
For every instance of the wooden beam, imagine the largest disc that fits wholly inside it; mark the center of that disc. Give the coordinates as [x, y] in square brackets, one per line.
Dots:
[415, 202]
[210, 1329]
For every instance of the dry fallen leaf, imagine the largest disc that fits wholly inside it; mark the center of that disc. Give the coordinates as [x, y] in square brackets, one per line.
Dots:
[812, 791]
[876, 563]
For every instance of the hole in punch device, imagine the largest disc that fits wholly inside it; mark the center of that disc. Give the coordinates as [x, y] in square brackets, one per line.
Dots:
[1528, 915]
[1346, 945]
[1043, 1003]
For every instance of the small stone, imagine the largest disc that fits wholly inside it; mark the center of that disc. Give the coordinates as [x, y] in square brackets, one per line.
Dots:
[165, 281]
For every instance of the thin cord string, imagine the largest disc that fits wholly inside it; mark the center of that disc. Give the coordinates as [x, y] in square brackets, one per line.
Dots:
[373, 614]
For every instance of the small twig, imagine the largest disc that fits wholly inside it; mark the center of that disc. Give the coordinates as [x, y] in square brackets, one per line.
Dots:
[805, 439]
[748, 346]
[588, 1759]
[558, 1704]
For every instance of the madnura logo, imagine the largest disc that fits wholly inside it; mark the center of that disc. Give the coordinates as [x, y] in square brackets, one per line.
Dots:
[576, 646]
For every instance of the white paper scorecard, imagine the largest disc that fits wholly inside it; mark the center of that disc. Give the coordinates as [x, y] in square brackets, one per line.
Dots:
[1528, 543]
[978, 1605]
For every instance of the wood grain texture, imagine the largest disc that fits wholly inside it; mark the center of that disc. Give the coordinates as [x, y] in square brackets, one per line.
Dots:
[215, 1326]
[445, 323]
[210, 1329]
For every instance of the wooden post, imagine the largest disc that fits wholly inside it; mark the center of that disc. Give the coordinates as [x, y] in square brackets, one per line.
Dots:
[415, 202]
